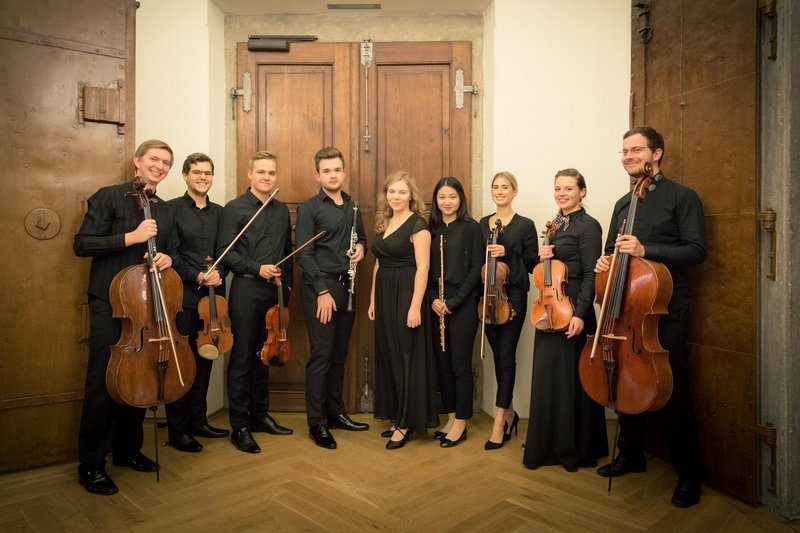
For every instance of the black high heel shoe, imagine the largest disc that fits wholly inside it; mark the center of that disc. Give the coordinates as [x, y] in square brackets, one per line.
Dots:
[514, 427]
[438, 435]
[447, 443]
[397, 444]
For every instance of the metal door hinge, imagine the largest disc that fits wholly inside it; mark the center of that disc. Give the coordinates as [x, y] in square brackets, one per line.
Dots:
[768, 436]
[460, 89]
[769, 9]
[246, 92]
[767, 219]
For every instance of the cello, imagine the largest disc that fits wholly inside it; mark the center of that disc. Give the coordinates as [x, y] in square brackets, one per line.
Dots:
[494, 307]
[630, 372]
[151, 364]
[215, 337]
[552, 310]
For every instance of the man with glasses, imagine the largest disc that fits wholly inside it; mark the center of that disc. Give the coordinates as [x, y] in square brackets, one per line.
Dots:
[196, 221]
[669, 228]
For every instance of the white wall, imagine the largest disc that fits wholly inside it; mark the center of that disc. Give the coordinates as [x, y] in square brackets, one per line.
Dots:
[180, 97]
[556, 96]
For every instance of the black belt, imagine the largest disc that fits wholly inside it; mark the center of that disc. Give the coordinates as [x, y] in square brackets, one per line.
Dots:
[338, 277]
[247, 275]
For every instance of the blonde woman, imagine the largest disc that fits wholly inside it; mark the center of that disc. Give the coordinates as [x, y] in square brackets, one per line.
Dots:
[404, 364]
[517, 247]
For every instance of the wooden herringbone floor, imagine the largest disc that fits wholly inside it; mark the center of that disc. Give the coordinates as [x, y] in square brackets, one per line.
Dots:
[295, 486]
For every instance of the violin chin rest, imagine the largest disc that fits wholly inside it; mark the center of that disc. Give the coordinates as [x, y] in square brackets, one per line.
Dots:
[208, 351]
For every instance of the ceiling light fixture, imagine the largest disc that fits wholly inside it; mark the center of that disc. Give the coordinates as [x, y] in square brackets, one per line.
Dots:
[354, 6]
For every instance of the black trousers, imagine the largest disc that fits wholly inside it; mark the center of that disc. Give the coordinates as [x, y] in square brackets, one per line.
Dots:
[504, 339]
[105, 425]
[327, 353]
[248, 377]
[455, 363]
[190, 410]
[682, 434]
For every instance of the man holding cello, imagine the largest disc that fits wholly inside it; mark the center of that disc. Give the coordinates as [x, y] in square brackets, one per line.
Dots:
[196, 219]
[252, 259]
[669, 228]
[114, 235]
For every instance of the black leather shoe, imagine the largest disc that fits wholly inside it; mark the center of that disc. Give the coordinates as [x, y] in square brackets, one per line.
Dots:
[208, 431]
[267, 424]
[447, 443]
[490, 445]
[138, 462]
[343, 421]
[244, 441]
[397, 444]
[388, 433]
[687, 493]
[184, 443]
[322, 437]
[437, 435]
[96, 481]
[622, 465]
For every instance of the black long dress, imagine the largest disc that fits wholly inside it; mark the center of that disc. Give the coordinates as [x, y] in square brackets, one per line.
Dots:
[405, 369]
[566, 427]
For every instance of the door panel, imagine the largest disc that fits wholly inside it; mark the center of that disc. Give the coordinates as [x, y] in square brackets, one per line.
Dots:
[53, 161]
[696, 83]
[316, 95]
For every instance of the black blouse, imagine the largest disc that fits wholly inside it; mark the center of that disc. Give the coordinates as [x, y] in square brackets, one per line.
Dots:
[578, 247]
[522, 248]
[464, 255]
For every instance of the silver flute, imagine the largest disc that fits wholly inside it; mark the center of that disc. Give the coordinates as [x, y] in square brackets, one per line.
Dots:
[351, 271]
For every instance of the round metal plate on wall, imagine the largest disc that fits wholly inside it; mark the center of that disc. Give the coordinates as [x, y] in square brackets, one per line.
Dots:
[42, 223]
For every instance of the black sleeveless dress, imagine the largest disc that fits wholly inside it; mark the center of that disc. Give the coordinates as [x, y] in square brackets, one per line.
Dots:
[405, 368]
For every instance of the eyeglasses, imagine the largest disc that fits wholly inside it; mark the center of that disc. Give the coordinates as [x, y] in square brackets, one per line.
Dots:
[636, 150]
[199, 173]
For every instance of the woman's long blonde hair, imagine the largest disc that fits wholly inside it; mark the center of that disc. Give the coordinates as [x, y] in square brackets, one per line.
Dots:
[383, 212]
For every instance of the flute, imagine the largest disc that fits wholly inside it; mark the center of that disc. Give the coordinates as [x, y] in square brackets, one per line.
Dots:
[351, 271]
[441, 290]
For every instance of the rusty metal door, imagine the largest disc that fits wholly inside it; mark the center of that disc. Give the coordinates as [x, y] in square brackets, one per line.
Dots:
[694, 79]
[67, 129]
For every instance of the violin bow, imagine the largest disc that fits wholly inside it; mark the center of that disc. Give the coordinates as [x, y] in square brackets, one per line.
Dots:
[212, 267]
[309, 241]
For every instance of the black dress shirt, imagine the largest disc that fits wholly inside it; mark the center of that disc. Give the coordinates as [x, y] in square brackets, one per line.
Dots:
[326, 255]
[266, 241]
[110, 215]
[670, 224]
[464, 255]
[522, 248]
[197, 237]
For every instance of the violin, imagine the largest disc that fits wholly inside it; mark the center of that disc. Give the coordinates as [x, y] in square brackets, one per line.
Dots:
[552, 311]
[214, 337]
[276, 350]
[494, 307]
[631, 372]
[151, 363]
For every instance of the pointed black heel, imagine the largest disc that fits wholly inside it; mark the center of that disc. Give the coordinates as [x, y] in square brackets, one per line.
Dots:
[397, 444]
[513, 427]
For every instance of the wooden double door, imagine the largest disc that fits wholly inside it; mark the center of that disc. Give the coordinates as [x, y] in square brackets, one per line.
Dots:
[394, 111]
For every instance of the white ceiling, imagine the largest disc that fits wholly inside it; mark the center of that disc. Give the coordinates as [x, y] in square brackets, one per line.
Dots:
[242, 7]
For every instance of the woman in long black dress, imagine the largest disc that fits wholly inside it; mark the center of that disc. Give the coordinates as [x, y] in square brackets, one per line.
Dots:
[517, 246]
[459, 239]
[566, 427]
[405, 386]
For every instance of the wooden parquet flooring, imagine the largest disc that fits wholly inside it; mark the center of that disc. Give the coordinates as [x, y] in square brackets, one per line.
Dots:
[295, 486]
